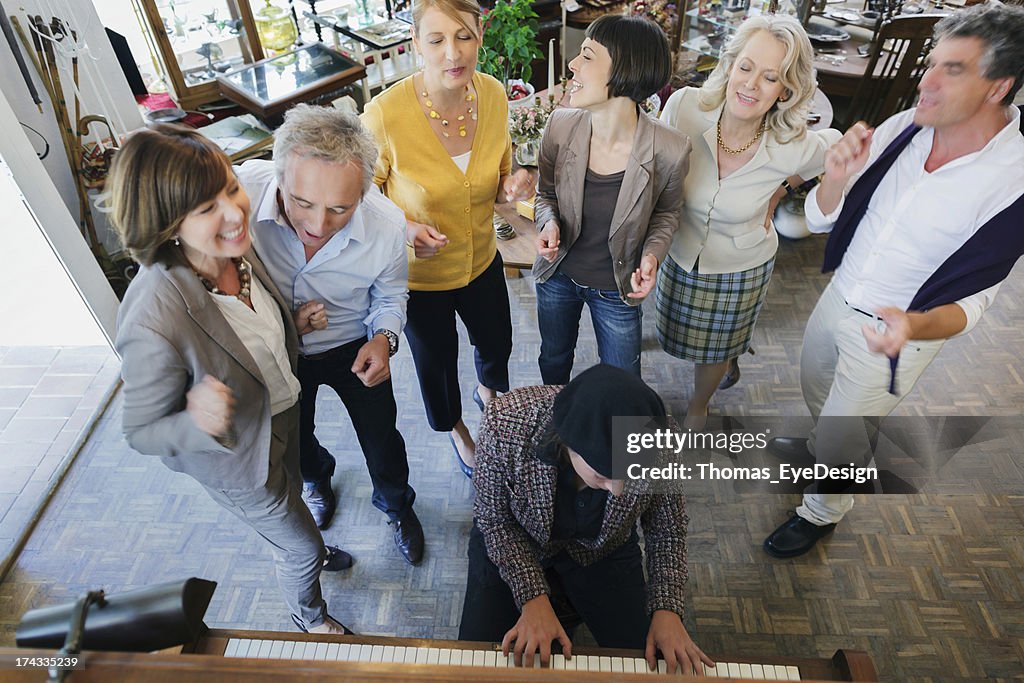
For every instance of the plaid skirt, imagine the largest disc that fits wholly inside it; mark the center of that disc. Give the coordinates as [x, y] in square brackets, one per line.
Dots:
[709, 318]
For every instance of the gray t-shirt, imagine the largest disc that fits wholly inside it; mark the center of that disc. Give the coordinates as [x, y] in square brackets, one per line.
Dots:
[589, 262]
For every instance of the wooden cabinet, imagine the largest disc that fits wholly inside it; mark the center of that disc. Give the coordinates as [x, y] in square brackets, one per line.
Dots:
[199, 40]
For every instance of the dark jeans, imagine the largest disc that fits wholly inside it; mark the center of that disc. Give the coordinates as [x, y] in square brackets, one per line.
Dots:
[373, 414]
[610, 595]
[559, 307]
[434, 341]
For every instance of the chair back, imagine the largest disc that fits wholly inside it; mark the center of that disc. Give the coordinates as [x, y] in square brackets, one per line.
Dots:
[895, 66]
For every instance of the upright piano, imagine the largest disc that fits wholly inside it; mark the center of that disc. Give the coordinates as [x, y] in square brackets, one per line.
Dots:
[237, 656]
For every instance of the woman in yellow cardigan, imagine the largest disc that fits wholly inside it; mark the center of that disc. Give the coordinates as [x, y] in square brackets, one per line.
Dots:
[445, 159]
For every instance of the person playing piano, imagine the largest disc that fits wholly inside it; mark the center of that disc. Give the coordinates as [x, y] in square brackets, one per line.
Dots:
[547, 513]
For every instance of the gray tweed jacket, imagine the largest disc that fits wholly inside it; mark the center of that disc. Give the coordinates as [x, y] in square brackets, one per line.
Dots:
[514, 507]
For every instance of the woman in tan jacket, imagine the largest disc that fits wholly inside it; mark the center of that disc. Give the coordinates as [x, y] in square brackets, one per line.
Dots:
[609, 196]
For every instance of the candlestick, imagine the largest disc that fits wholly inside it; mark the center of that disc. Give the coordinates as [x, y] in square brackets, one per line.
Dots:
[551, 65]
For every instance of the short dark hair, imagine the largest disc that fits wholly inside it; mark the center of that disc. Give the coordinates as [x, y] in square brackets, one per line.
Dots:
[1001, 28]
[641, 61]
[159, 175]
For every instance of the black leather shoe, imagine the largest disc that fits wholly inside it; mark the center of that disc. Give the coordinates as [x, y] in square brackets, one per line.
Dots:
[466, 469]
[791, 449]
[298, 623]
[732, 376]
[337, 559]
[795, 537]
[409, 537]
[320, 500]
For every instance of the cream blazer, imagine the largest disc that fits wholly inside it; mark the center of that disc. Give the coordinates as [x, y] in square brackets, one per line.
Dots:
[722, 221]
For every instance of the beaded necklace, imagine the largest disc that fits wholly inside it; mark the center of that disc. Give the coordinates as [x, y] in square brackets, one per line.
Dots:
[244, 280]
[470, 112]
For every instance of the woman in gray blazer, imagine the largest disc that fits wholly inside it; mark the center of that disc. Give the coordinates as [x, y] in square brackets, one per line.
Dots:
[208, 351]
[609, 196]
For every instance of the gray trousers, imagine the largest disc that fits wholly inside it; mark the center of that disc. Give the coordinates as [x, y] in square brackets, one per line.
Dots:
[277, 513]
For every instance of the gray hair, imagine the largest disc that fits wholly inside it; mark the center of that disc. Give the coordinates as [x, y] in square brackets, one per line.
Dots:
[787, 120]
[325, 134]
[1001, 28]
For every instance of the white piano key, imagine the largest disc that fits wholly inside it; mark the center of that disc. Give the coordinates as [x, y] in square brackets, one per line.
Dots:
[793, 673]
[734, 669]
[344, 652]
[332, 652]
[662, 666]
[232, 648]
[501, 660]
[469, 657]
[616, 664]
[288, 650]
[640, 665]
[264, 650]
[321, 651]
[604, 664]
[364, 653]
[456, 658]
[583, 663]
[433, 654]
[388, 655]
[711, 671]
[444, 656]
[299, 650]
[410, 655]
[558, 662]
[745, 671]
[421, 655]
[490, 658]
[769, 672]
[757, 671]
[276, 648]
[399, 654]
[627, 665]
[478, 657]
[377, 653]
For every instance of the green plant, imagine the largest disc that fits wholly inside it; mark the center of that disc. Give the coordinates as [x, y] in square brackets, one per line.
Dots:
[509, 40]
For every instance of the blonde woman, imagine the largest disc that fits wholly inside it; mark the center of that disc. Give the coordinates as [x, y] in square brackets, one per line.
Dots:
[445, 159]
[748, 127]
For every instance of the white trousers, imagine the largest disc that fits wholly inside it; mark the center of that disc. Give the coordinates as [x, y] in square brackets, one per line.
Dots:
[840, 377]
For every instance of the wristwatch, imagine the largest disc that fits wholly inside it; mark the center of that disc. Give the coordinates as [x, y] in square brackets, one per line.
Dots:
[392, 340]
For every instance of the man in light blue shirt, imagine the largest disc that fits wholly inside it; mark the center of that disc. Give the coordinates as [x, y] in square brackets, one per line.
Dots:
[335, 248]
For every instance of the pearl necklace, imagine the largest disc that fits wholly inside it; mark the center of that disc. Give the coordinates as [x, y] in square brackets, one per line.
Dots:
[470, 97]
[244, 280]
[744, 148]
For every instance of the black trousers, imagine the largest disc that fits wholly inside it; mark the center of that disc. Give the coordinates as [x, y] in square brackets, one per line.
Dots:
[434, 341]
[610, 595]
[373, 414]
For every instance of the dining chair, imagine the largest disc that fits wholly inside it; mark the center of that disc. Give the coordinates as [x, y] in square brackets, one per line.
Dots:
[895, 66]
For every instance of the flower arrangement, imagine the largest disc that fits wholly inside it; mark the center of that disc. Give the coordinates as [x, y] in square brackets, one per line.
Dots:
[662, 12]
[527, 123]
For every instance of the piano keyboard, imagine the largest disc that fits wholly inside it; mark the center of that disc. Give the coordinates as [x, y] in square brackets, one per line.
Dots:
[397, 654]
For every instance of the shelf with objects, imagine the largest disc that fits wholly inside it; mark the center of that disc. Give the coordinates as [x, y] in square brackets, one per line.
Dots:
[198, 40]
[383, 47]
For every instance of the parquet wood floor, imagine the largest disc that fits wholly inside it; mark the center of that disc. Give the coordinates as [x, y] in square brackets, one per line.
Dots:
[932, 584]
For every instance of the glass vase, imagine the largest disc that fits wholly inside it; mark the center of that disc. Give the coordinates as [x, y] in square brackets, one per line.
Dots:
[527, 152]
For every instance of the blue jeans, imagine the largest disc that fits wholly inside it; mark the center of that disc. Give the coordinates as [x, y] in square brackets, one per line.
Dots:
[559, 307]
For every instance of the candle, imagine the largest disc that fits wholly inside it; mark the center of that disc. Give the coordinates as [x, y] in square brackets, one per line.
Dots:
[551, 66]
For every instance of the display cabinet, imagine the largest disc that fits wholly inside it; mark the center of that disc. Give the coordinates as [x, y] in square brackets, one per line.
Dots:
[200, 39]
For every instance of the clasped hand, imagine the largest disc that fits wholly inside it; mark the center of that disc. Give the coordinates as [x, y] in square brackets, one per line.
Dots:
[211, 405]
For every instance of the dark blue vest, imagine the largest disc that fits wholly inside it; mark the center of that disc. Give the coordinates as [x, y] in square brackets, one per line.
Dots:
[984, 260]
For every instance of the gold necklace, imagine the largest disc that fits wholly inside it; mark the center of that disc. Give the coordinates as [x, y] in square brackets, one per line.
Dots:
[744, 148]
[470, 97]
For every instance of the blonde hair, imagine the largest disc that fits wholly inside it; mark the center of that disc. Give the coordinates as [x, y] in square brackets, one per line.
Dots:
[787, 119]
[453, 9]
[158, 177]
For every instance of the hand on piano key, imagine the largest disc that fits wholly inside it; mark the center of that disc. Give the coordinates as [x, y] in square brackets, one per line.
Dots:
[533, 633]
[681, 654]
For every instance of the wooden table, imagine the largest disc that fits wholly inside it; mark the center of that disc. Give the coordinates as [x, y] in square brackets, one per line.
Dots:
[271, 86]
[520, 251]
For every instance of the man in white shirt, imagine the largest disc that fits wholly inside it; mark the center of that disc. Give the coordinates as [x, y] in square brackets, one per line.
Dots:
[924, 214]
[335, 248]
